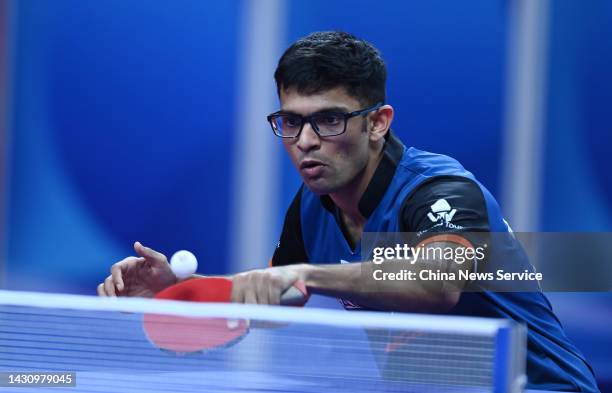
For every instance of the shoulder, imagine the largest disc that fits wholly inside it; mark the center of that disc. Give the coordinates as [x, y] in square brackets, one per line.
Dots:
[290, 247]
[445, 202]
[430, 164]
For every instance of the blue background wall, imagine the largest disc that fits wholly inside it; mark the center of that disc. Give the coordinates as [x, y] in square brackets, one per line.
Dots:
[123, 122]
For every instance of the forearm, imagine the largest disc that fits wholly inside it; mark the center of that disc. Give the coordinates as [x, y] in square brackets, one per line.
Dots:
[355, 282]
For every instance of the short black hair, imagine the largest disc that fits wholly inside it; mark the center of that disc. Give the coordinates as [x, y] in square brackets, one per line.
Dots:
[329, 59]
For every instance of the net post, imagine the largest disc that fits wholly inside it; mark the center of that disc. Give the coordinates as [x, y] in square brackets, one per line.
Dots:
[510, 354]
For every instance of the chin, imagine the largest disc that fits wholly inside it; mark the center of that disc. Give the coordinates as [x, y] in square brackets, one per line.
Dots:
[318, 189]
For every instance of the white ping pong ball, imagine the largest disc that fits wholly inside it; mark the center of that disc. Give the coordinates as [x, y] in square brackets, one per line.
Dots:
[183, 264]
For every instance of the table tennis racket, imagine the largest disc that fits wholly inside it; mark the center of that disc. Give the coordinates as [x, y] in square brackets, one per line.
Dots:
[193, 334]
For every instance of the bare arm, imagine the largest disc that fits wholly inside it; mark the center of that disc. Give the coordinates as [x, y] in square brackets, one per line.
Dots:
[355, 282]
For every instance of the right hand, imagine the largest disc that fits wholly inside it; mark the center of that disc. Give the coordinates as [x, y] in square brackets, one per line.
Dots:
[142, 276]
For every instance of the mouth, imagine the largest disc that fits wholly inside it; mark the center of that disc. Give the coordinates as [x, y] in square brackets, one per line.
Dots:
[310, 164]
[311, 168]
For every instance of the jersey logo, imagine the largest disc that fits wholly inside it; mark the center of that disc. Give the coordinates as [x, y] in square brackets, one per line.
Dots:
[443, 210]
[441, 215]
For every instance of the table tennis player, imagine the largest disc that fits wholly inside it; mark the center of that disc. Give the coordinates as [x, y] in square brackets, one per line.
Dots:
[358, 177]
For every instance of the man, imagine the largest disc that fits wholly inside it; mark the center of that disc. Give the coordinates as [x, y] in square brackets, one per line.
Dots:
[358, 177]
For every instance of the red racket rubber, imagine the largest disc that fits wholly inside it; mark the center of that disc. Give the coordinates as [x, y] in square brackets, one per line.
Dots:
[192, 334]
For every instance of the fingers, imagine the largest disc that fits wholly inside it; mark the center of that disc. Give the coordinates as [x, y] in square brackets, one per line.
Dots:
[114, 284]
[109, 286]
[137, 272]
[149, 253]
[273, 296]
[258, 287]
[245, 287]
[115, 279]
[250, 297]
[121, 267]
[237, 289]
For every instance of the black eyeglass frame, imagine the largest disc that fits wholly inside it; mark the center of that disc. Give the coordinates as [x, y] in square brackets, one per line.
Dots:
[314, 126]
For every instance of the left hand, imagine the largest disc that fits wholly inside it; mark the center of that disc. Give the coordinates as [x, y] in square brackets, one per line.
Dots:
[263, 286]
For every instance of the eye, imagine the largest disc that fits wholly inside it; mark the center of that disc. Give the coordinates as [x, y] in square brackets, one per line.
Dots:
[292, 121]
[330, 119]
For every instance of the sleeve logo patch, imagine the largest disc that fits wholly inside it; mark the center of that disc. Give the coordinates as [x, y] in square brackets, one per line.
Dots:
[444, 212]
[441, 215]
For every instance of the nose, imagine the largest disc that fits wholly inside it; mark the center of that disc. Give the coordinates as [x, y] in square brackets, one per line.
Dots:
[308, 139]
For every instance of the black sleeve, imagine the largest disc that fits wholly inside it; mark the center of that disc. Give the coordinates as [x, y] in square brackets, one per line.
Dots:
[290, 248]
[445, 204]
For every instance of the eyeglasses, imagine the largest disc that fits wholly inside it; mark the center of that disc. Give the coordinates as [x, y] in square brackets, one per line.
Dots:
[290, 125]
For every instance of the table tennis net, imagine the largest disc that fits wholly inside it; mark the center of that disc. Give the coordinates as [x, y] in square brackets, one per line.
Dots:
[285, 350]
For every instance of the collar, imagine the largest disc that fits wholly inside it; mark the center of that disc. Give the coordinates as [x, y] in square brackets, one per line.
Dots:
[393, 151]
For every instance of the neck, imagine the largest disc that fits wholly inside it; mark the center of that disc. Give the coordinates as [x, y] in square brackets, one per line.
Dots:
[347, 199]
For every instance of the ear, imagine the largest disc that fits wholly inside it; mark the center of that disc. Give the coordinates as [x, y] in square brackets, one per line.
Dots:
[379, 123]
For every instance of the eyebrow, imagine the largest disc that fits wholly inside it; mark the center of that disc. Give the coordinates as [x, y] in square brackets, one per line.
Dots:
[336, 109]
